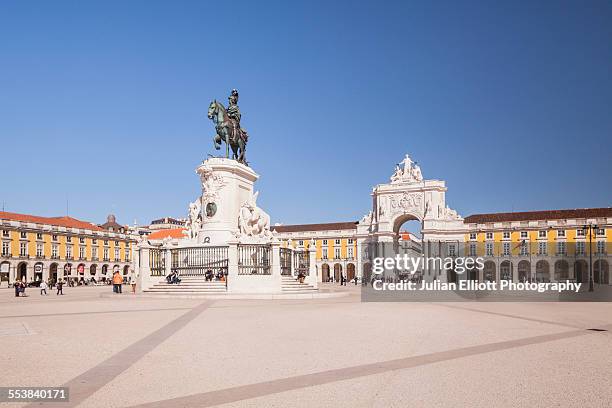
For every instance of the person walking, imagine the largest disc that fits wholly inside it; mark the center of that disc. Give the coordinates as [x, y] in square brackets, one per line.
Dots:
[43, 288]
[133, 282]
[17, 287]
[342, 279]
[60, 286]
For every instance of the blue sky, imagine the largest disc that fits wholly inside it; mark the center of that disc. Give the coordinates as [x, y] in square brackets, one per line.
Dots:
[104, 103]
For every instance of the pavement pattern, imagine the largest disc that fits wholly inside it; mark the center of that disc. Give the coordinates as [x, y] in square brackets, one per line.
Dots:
[132, 351]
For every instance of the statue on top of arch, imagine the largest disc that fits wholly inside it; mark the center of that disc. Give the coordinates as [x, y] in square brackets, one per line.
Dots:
[406, 171]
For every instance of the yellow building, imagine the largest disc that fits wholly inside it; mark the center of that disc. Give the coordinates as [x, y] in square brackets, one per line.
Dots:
[36, 248]
[542, 245]
[537, 245]
[335, 245]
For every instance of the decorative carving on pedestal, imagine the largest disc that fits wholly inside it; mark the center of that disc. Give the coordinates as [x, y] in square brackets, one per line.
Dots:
[252, 220]
[211, 184]
[194, 219]
[406, 203]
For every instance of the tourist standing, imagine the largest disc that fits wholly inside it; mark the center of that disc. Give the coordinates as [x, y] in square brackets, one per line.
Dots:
[43, 288]
[117, 281]
[17, 287]
[60, 285]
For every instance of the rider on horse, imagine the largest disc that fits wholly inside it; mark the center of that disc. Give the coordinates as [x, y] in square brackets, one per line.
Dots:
[233, 112]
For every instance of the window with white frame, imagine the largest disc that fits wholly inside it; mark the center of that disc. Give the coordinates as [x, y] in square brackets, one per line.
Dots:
[54, 237]
[116, 243]
[39, 235]
[23, 249]
[351, 241]
[489, 249]
[524, 249]
[94, 241]
[39, 250]
[506, 248]
[54, 252]
[69, 251]
[23, 235]
[561, 248]
[301, 242]
[601, 232]
[542, 233]
[580, 232]
[472, 235]
[337, 253]
[116, 254]
[524, 235]
[81, 252]
[506, 235]
[489, 235]
[68, 238]
[106, 254]
[6, 248]
[94, 253]
[601, 247]
[106, 242]
[560, 233]
[472, 249]
[580, 246]
[452, 250]
[542, 248]
[337, 242]
[324, 242]
[324, 253]
[81, 240]
[5, 233]
[349, 252]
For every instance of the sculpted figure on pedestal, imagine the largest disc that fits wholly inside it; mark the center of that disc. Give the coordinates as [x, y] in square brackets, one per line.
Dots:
[194, 219]
[227, 126]
[406, 171]
[253, 221]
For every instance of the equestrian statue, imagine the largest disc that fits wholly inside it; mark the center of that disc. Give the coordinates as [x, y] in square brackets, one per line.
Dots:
[227, 125]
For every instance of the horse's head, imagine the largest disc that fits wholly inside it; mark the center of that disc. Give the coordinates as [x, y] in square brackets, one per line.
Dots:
[213, 108]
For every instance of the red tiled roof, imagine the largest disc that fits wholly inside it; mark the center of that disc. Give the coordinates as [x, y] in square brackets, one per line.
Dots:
[67, 222]
[315, 227]
[540, 215]
[167, 233]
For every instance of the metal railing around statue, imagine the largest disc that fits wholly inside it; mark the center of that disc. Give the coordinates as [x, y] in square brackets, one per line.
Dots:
[157, 262]
[285, 261]
[200, 260]
[302, 263]
[254, 259]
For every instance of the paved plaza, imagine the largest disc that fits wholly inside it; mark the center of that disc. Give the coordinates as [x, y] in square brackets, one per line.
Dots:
[126, 350]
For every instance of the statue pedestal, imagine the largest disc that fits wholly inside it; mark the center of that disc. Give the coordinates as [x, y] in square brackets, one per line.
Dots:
[226, 185]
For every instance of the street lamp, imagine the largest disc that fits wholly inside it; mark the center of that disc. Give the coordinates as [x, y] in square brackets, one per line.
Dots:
[590, 228]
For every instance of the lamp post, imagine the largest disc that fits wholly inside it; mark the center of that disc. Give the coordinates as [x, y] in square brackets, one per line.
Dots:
[590, 228]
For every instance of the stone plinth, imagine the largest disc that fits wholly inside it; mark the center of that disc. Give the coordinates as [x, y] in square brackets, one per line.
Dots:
[226, 185]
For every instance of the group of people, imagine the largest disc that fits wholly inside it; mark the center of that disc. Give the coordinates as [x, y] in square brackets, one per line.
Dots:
[173, 278]
[20, 288]
[210, 275]
[118, 282]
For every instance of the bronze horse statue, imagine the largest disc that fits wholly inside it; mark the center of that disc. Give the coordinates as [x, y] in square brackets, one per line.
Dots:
[227, 131]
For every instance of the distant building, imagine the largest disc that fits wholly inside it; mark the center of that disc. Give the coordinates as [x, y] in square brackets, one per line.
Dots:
[111, 225]
[167, 223]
